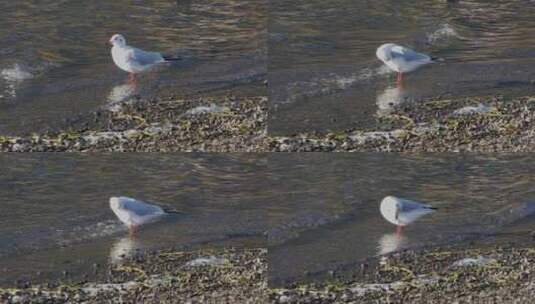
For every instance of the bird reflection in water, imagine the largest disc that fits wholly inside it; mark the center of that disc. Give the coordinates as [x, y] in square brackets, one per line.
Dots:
[392, 242]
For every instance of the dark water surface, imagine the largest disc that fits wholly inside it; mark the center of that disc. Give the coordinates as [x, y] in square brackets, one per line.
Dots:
[328, 212]
[55, 59]
[323, 73]
[56, 216]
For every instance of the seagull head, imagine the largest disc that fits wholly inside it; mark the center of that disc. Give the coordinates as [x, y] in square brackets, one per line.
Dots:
[383, 52]
[390, 207]
[116, 203]
[118, 40]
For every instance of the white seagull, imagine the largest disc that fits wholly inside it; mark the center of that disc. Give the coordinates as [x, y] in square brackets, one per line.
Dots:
[401, 59]
[402, 212]
[134, 60]
[134, 213]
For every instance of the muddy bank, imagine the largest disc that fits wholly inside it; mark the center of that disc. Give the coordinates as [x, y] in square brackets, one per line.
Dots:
[225, 123]
[205, 276]
[441, 275]
[485, 124]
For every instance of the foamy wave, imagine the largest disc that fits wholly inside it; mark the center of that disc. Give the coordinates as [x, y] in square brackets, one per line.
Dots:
[333, 83]
[94, 231]
[16, 73]
[13, 76]
[207, 261]
[444, 32]
[479, 109]
[212, 108]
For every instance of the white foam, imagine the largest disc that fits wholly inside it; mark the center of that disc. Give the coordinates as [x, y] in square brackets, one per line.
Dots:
[207, 261]
[479, 261]
[93, 231]
[444, 32]
[13, 77]
[94, 289]
[15, 74]
[479, 109]
[213, 108]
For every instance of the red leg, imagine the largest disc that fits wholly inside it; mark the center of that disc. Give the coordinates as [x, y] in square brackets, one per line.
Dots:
[400, 77]
[398, 230]
[132, 230]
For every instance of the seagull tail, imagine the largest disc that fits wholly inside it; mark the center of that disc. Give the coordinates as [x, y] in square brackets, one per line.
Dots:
[437, 59]
[169, 58]
[171, 211]
[432, 208]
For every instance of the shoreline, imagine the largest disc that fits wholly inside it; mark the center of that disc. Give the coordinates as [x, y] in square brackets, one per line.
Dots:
[474, 124]
[230, 122]
[234, 122]
[448, 274]
[227, 275]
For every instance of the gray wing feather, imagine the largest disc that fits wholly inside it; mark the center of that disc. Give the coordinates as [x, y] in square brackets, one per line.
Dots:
[141, 208]
[399, 52]
[145, 58]
[409, 206]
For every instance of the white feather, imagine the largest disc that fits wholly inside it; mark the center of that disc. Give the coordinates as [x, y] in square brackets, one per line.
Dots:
[400, 58]
[401, 212]
[131, 59]
[135, 213]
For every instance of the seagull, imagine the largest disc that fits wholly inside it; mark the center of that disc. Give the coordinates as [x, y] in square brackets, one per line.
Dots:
[401, 59]
[134, 213]
[402, 212]
[134, 60]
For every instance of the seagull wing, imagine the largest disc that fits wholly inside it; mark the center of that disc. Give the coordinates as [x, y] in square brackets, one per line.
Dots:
[410, 206]
[140, 208]
[401, 52]
[142, 57]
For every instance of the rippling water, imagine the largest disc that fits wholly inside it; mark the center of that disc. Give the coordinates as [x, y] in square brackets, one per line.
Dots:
[328, 212]
[56, 215]
[55, 61]
[324, 75]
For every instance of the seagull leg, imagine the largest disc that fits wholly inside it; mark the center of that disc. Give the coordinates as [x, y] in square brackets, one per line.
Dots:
[132, 230]
[131, 77]
[400, 77]
[398, 230]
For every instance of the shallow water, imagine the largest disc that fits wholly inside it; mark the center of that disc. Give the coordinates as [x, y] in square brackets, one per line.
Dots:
[55, 61]
[324, 75]
[56, 215]
[328, 213]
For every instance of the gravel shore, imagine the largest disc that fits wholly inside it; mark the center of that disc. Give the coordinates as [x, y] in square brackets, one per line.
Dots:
[239, 124]
[481, 124]
[441, 275]
[204, 276]
[227, 123]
